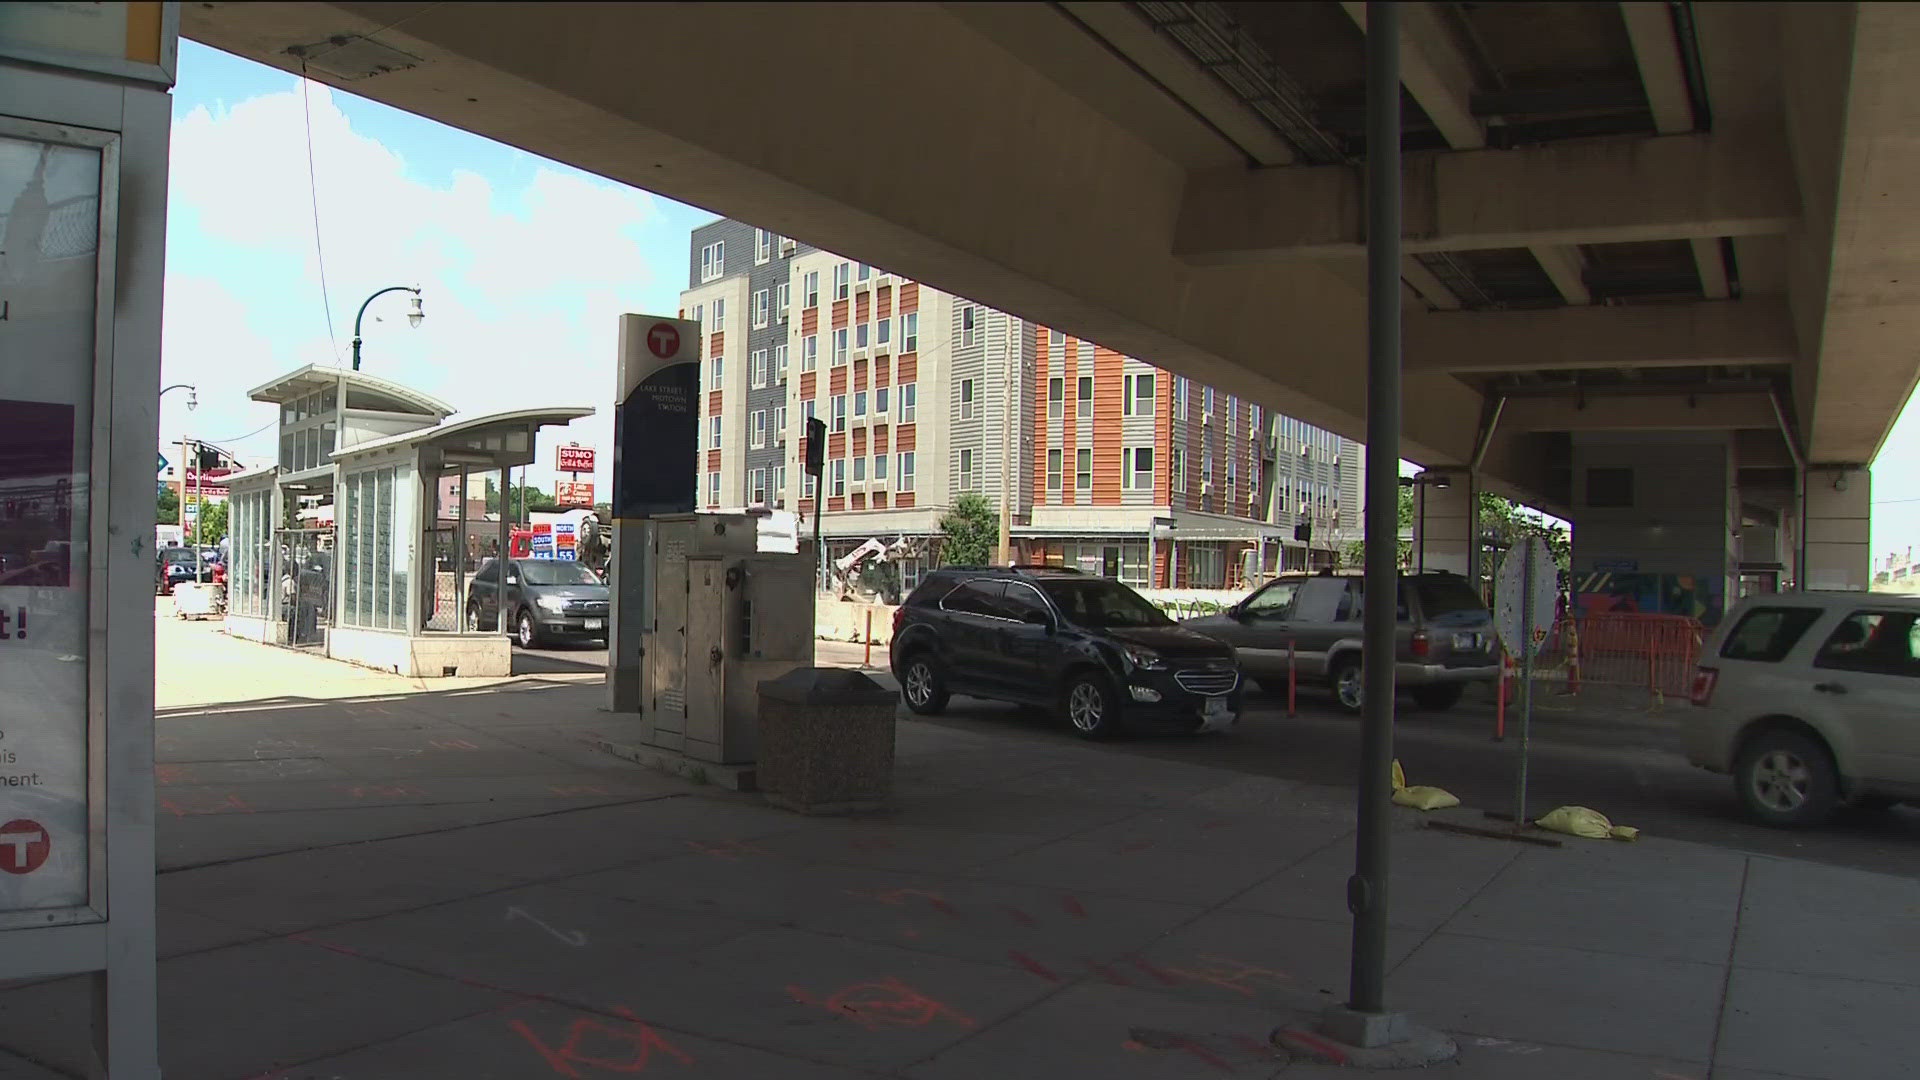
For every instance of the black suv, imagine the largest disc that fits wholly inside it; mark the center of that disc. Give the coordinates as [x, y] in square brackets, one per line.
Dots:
[1087, 646]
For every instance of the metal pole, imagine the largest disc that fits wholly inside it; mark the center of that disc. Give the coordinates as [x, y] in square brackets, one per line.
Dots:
[1526, 686]
[460, 557]
[505, 541]
[1006, 446]
[1420, 491]
[197, 485]
[1367, 889]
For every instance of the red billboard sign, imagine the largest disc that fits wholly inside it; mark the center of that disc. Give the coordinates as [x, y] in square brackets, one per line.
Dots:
[573, 493]
[576, 459]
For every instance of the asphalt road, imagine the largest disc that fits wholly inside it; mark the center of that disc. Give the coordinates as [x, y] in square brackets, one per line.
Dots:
[1623, 761]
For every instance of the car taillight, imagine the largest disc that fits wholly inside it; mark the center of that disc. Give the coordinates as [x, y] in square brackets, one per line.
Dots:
[1421, 646]
[898, 614]
[1704, 680]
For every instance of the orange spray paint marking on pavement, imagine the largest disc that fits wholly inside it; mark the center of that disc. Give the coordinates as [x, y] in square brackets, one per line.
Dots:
[884, 1003]
[728, 850]
[590, 1042]
[452, 744]
[1234, 975]
[1033, 966]
[1073, 906]
[899, 897]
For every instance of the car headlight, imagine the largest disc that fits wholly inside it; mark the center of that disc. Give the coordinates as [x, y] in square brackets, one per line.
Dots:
[1143, 658]
[555, 604]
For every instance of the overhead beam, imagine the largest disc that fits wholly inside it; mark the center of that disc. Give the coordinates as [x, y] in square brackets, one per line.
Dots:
[1639, 412]
[1744, 332]
[1656, 49]
[1434, 71]
[1559, 194]
[1567, 268]
[1427, 284]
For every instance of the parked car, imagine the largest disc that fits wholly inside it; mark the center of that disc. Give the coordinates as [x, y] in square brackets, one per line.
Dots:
[173, 565]
[1809, 701]
[546, 599]
[1089, 647]
[1445, 639]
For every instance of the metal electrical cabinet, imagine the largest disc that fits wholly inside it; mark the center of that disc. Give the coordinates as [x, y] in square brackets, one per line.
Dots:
[725, 614]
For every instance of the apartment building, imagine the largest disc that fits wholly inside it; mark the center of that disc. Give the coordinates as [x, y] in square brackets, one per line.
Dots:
[1105, 462]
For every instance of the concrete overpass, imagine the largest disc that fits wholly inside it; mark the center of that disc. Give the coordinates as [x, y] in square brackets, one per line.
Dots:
[1673, 239]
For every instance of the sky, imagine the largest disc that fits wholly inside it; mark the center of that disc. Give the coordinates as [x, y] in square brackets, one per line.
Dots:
[525, 266]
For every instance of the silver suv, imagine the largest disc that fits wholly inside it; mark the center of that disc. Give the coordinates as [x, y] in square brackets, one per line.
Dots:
[1811, 701]
[1445, 637]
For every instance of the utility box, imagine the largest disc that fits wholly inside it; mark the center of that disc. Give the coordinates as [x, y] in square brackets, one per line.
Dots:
[724, 613]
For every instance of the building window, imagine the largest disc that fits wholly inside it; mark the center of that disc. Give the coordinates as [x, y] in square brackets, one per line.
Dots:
[756, 486]
[713, 260]
[1053, 470]
[966, 469]
[1177, 469]
[910, 331]
[779, 363]
[903, 480]
[865, 272]
[1253, 420]
[908, 391]
[809, 352]
[860, 469]
[879, 467]
[716, 371]
[762, 246]
[839, 346]
[779, 424]
[1083, 470]
[860, 333]
[757, 428]
[1230, 474]
[1180, 395]
[1138, 397]
[1233, 412]
[966, 399]
[719, 314]
[782, 299]
[806, 485]
[967, 319]
[1206, 400]
[1206, 469]
[1136, 468]
[699, 313]
[810, 289]
[757, 367]
[713, 432]
[883, 331]
[839, 412]
[839, 477]
[713, 489]
[1056, 395]
[779, 485]
[760, 308]
[840, 277]
[880, 402]
[859, 403]
[1086, 397]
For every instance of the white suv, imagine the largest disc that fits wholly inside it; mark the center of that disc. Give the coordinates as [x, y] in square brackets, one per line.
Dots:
[1812, 700]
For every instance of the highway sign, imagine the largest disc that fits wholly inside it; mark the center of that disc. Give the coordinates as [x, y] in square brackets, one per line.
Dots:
[1528, 558]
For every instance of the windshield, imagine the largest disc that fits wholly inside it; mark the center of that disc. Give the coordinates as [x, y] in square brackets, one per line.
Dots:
[1101, 602]
[177, 555]
[557, 572]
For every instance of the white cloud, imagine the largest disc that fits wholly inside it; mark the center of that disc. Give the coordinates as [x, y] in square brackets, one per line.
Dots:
[522, 288]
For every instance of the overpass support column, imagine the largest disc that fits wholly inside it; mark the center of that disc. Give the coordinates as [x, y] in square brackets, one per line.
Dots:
[1445, 520]
[1835, 534]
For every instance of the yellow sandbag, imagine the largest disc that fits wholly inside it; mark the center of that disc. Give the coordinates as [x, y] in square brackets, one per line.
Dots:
[1425, 798]
[1582, 822]
[1399, 776]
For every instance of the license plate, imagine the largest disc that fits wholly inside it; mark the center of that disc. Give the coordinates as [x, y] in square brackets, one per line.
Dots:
[1215, 716]
[595, 624]
[1215, 706]
[1467, 642]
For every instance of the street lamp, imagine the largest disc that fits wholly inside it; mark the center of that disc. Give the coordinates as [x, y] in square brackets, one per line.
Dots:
[414, 314]
[1421, 482]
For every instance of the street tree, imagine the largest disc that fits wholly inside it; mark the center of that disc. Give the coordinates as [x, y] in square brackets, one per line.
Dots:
[971, 530]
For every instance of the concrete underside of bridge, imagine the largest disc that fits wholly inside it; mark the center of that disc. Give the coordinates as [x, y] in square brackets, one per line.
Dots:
[1620, 217]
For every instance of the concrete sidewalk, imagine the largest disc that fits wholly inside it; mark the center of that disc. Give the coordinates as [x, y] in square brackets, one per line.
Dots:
[452, 885]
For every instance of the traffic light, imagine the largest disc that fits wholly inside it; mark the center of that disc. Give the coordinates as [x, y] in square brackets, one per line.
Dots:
[816, 446]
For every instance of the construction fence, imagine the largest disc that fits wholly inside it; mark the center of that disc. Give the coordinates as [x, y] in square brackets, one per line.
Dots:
[1628, 650]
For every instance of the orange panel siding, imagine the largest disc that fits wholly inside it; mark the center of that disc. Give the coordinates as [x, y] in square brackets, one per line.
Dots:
[1108, 366]
[713, 403]
[837, 381]
[1159, 579]
[810, 321]
[1069, 421]
[717, 344]
[880, 439]
[905, 499]
[836, 504]
[909, 301]
[1040, 375]
[859, 500]
[907, 368]
[883, 374]
[882, 297]
[806, 506]
[859, 374]
[839, 314]
[1162, 443]
[903, 437]
[879, 500]
[863, 307]
[837, 444]
[808, 381]
[859, 443]
[713, 461]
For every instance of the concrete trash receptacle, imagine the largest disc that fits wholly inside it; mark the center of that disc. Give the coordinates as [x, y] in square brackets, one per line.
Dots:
[825, 741]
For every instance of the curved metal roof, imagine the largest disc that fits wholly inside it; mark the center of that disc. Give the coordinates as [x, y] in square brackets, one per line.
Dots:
[449, 430]
[315, 376]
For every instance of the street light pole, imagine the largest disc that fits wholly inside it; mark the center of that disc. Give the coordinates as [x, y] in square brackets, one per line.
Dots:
[414, 315]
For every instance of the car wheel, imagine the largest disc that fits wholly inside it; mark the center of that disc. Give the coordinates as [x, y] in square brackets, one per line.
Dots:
[528, 632]
[473, 618]
[1349, 687]
[1091, 707]
[1786, 779]
[923, 686]
[1438, 698]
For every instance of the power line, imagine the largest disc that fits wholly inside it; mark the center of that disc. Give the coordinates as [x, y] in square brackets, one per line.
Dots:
[1891, 502]
[313, 196]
